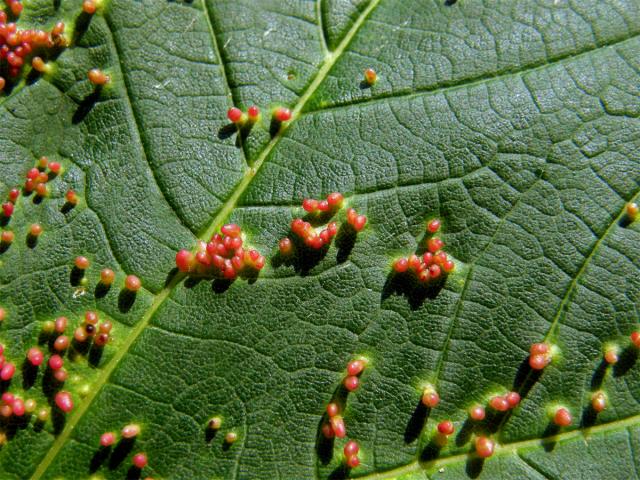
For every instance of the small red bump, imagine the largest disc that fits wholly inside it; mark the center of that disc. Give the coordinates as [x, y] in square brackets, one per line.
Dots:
[7, 209]
[98, 77]
[513, 399]
[477, 413]
[598, 401]
[254, 113]
[55, 167]
[61, 343]
[282, 114]
[327, 430]
[433, 226]
[231, 230]
[611, 356]
[538, 362]
[370, 76]
[333, 409]
[8, 398]
[401, 265]
[130, 431]
[353, 461]
[64, 401]
[14, 193]
[446, 427]
[310, 205]
[89, 7]
[434, 244]
[351, 448]
[55, 362]
[324, 206]
[35, 356]
[80, 335]
[351, 383]
[562, 417]
[7, 237]
[90, 317]
[107, 276]
[60, 375]
[635, 339]
[332, 228]
[430, 398]
[18, 407]
[234, 115]
[81, 263]
[139, 460]
[316, 242]
[355, 367]
[335, 200]
[285, 246]
[434, 271]
[484, 447]
[337, 424]
[184, 260]
[132, 283]
[6, 411]
[359, 222]
[35, 230]
[539, 349]
[448, 266]
[499, 403]
[7, 371]
[632, 210]
[107, 439]
[71, 197]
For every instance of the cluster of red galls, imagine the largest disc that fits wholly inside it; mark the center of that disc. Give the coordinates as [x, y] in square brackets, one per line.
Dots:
[335, 427]
[432, 263]
[129, 432]
[223, 254]
[17, 45]
[309, 235]
[241, 119]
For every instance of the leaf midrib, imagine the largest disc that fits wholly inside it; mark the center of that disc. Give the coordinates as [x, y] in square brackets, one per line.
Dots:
[217, 222]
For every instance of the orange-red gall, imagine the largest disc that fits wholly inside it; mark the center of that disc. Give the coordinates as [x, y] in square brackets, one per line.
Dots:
[538, 361]
[448, 266]
[214, 423]
[105, 327]
[61, 343]
[231, 230]
[430, 398]
[327, 430]
[60, 324]
[355, 367]
[370, 76]
[235, 115]
[64, 401]
[184, 260]
[7, 209]
[285, 246]
[139, 460]
[635, 339]
[484, 447]
[90, 317]
[101, 340]
[42, 190]
[562, 417]
[80, 335]
[445, 427]
[433, 226]
[107, 439]
[253, 113]
[55, 362]
[2, 83]
[89, 7]
[132, 283]
[60, 375]
[351, 383]
[7, 371]
[477, 413]
[81, 263]
[98, 77]
[632, 210]
[18, 407]
[71, 197]
[107, 276]
[7, 237]
[282, 114]
[35, 230]
[434, 244]
[338, 426]
[499, 403]
[359, 223]
[130, 431]
[14, 193]
[351, 448]
[539, 348]
[353, 461]
[35, 356]
[611, 355]
[6, 411]
[513, 399]
[333, 409]
[310, 205]
[598, 402]
[231, 437]
[335, 199]
[38, 64]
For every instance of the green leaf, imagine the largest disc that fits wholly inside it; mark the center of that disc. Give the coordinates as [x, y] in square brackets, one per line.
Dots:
[514, 122]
